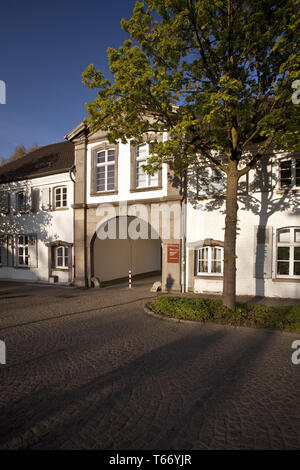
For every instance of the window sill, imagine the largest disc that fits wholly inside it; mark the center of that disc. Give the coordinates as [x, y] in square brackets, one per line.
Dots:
[285, 279]
[288, 191]
[146, 189]
[60, 209]
[104, 193]
[60, 269]
[209, 276]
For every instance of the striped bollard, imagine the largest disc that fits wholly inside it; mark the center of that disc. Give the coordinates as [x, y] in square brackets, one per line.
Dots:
[129, 279]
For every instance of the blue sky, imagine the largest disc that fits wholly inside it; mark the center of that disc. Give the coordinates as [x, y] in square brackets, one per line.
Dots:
[45, 46]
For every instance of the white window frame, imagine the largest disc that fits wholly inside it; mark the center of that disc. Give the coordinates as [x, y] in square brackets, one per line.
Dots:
[60, 202]
[210, 260]
[24, 246]
[106, 164]
[291, 244]
[63, 256]
[295, 161]
[24, 206]
[150, 180]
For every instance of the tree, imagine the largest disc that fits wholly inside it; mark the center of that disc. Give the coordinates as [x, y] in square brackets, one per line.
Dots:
[19, 152]
[217, 75]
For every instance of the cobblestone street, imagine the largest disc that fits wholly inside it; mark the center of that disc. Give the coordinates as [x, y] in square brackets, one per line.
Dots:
[89, 369]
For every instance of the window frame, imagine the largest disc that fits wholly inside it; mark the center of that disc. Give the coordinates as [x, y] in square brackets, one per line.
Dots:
[24, 205]
[64, 257]
[22, 246]
[60, 190]
[291, 244]
[104, 165]
[294, 162]
[141, 160]
[209, 260]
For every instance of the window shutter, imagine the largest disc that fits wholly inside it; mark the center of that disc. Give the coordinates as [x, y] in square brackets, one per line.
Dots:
[243, 184]
[11, 259]
[3, 248]
[195, 262]
[53, 253]
[263, 252]
[28, 201]
[46, 199]
[263, 177]
[35, 195]
[4, 202]
[32, 251]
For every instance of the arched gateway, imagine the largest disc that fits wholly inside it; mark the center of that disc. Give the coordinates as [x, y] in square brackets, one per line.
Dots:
[125, 243]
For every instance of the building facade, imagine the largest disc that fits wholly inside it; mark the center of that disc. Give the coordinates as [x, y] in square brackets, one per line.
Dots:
[36, 222]
[112, 218]
[112, 192]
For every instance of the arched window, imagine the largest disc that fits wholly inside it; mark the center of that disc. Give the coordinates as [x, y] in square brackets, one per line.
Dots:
[288, 252]
[210, 260]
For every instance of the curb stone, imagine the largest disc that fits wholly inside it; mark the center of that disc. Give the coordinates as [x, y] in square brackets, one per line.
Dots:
[219, 325]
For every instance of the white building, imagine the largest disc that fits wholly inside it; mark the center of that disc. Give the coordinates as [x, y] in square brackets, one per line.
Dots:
[44, 213]
[268, 239]
[36, 221]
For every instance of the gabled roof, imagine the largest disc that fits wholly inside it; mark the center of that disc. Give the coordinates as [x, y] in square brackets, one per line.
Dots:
[47, 160]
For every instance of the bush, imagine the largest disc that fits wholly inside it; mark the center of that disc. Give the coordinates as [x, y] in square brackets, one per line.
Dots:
[258, 316]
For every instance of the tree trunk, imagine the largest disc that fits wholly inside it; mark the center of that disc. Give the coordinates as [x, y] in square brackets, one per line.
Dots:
[229, 281]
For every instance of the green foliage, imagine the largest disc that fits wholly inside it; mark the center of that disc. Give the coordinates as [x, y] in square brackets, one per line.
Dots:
[258, 316]
[216, 75]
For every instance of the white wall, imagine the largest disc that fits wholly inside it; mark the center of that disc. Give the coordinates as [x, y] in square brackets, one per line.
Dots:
[47, 225]
[273, 209]
[124, 193]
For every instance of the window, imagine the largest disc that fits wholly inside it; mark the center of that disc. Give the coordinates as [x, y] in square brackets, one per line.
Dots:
[288, 252]
[142, 179]
[4, 202]
[105, 170]
[22, 250]
[209, 181]
[61, 257]
[60, 197]
[290, 173]
[210, 260]
[21, 201]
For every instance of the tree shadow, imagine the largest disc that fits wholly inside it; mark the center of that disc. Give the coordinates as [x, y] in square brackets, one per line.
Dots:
[258, 193]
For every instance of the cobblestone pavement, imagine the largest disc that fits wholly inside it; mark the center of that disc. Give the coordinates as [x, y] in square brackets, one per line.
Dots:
[88, 369]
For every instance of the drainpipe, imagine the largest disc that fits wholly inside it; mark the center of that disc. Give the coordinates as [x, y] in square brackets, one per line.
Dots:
[72, 174]
[183, 231]
[86, 282]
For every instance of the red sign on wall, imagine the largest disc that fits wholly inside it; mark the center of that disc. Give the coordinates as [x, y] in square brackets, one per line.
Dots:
[173, 253]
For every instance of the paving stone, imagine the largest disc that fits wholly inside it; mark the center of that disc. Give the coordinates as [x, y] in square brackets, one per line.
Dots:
[88, 369]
